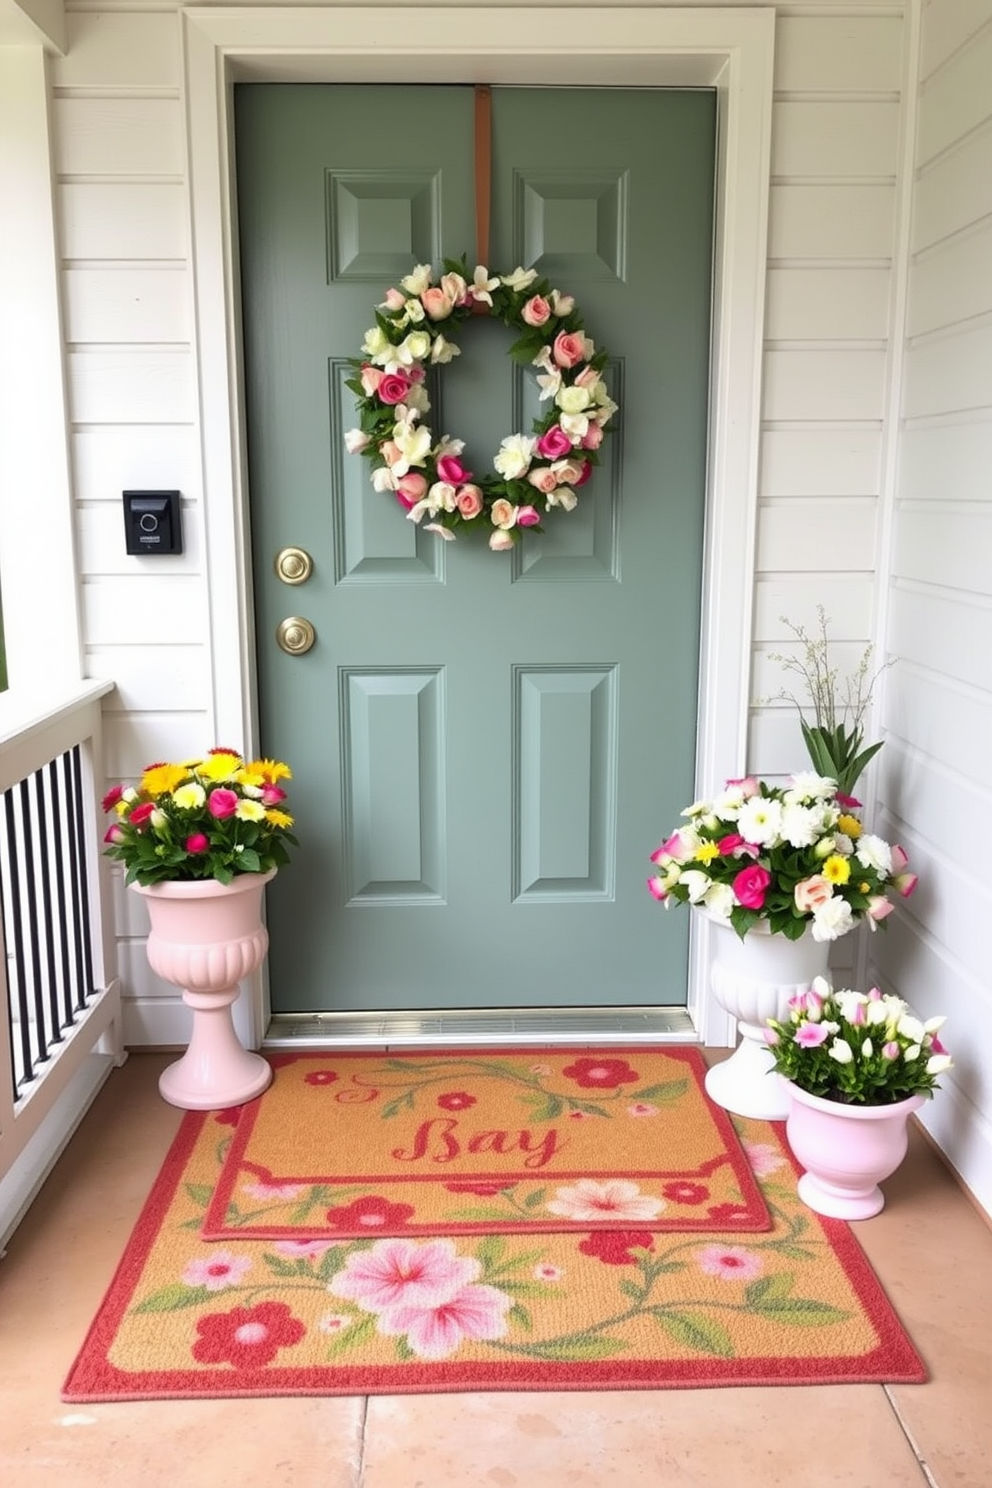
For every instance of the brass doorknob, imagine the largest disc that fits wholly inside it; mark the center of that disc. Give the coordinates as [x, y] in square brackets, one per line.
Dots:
[293, 565]
[295, 635]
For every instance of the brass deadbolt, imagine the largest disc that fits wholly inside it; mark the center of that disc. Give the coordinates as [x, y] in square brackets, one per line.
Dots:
[295, 635]
[293, 565]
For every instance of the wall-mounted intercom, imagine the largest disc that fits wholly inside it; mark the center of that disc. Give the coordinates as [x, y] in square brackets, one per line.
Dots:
[152, 523]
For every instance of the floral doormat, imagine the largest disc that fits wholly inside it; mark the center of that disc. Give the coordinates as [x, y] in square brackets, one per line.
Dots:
[186, 1318]
[470, 1142]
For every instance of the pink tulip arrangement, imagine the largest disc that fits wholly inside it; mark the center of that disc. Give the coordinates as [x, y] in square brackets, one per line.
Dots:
[794, 857]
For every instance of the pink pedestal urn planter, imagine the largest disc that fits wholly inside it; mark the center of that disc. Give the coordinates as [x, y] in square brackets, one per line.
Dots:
[847, 1151]
[205, 937]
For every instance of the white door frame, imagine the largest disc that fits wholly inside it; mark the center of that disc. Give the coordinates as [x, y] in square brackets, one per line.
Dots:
[730, 50]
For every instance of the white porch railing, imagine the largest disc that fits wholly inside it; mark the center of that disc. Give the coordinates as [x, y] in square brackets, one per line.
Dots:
[60, 1014]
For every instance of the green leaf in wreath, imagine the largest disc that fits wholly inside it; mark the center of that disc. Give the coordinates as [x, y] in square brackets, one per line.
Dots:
[173, 1298]
[696, 1331]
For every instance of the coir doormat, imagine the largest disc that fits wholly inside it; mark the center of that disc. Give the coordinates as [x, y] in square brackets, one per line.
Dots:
[186, 1318]
[470, 1142]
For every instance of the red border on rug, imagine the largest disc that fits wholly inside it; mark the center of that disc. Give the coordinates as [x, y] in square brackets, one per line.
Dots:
[92, 1378]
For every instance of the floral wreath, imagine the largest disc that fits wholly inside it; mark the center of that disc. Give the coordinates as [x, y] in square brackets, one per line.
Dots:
[536, 472]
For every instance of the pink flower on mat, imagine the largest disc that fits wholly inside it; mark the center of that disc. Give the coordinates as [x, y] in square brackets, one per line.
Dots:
[686, 1193]
[436, 1332]
[729, 1262]
[274, 1191]
[404, 1273]
[546, 1272]
[613, 1247]
[320, 1077]
[246, 1337]
[370, 1213]
[601, 1074]
[763, 1157]
[642, 1108]
[456, 1100]
[609, 1198]
[216, 1271]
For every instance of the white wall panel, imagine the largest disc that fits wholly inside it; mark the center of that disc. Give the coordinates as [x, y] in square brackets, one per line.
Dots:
[815, 304]
[954, 192]
[167, 679]
[947, 27]
[930, 800]
[847, 599]
[937, 632]
[957, 99]
[131, 387]
[949, 373]
[942, 719]
[823, 385]
[139, 49]
[133, 743]
[952, 282]
[813, 536]
[122, 220]
[837, 54]
[830, 221]
[108, 459]
[820, 462]
[947, 462]
[113, 304]
[118, 136]
[951, 548]
[144, 608]
[835, 138]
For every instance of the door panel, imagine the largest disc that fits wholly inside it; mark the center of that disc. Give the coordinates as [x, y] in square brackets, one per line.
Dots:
[484, 745]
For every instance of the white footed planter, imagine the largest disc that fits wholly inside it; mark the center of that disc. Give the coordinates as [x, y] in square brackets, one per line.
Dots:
[752, 979]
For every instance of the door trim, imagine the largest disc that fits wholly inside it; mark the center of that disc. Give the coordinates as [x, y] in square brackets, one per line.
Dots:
[730, 50]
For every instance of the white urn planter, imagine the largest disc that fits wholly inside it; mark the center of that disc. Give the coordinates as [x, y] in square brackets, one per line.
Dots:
[205, 937]
[752, 979]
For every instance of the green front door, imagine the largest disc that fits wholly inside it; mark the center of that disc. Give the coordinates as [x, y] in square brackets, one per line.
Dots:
[485, 746]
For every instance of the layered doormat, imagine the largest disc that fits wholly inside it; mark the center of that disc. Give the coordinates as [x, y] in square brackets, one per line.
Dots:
[472, 1142]
[602, 1308]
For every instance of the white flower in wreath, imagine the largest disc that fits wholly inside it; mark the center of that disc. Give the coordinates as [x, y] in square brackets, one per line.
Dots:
[575, 425]
[520, 280]
[355, 441]
[416, 282]
[573, 399]
[513, 458]
[443, 351]
[482, 285]
[562, 496]
[414, 444]
[383, 479]
[376, 343]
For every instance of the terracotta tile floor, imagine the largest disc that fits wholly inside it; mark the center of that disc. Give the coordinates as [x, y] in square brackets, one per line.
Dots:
[930, 1247]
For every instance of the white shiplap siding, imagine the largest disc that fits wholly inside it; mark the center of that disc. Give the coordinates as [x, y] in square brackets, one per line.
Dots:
[935, 792]
[121, 194]
[831, 243]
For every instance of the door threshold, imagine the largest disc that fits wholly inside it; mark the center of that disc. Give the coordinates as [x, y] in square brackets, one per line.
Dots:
[580, 1026]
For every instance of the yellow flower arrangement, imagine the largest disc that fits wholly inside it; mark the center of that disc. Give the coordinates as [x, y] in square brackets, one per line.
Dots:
[210, 817]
